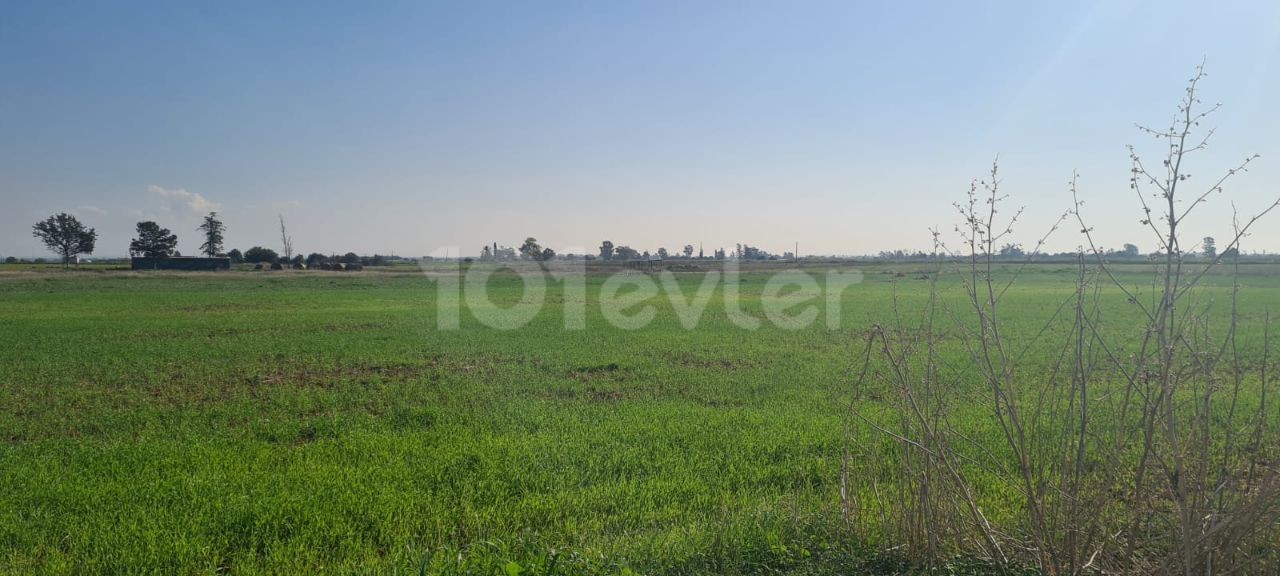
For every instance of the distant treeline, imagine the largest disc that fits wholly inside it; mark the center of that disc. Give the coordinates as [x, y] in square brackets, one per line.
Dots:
[66, 236]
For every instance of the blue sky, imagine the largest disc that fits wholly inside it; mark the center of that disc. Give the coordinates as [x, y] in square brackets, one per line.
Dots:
[408, 127]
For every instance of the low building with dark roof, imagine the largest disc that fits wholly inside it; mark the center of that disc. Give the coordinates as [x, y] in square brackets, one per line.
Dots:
[184, 263]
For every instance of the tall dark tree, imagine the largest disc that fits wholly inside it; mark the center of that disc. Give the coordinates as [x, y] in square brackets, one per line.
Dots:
[606, 250]
[66, 236]
[531, 250]
[153, 241]
[213, 229]
[235, 256]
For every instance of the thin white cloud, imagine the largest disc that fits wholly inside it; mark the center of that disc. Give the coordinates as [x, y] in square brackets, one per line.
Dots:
[194, 201]
[94, 210]
[145, 215]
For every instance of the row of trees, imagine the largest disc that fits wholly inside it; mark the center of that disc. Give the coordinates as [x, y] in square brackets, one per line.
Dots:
[532, 250]
[68, 237]
[1208, 249]
[610, 251]
[155, 241]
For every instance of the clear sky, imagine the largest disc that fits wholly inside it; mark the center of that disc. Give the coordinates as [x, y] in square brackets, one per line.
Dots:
[407, 127]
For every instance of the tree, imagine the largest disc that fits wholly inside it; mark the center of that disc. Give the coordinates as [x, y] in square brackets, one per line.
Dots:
[748, 252]
[503, 252]
[153, 241]
[1130, 250]
[286, 241]
[1012, 251]
[662, 253]
[213, 229]
[235, 256]
[66, 236]
[606, 250]
[530, 250]
[688, 250]
[11, 260]
[350, 258]
[258, 255]
[314, 260]
[297, 261]
[1210, 247]
[547, 254]
[625, 253]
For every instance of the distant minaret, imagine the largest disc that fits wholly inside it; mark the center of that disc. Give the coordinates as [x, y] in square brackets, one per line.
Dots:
[699, 250]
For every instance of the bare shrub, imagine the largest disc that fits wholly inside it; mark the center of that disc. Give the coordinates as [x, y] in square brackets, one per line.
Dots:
[1128, 425]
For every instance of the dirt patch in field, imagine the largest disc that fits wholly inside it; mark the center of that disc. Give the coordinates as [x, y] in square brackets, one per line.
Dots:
[359, 327]
[602, 372]
[305, 375]
[588, 394]
[691, 360]
[302, 374]
[240, 331]
[226, 307]
[179, 389]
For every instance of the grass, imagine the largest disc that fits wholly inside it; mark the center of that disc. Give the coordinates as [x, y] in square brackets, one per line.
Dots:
[288, 422]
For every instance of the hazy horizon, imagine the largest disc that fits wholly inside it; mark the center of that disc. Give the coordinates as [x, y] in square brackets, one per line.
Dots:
[408, 128]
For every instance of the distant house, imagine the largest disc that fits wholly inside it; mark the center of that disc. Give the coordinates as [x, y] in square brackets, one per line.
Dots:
[185, 263]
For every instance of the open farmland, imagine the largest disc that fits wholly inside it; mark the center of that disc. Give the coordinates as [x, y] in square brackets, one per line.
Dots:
[302, 422]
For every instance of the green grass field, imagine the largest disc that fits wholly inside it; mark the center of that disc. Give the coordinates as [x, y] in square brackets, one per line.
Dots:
[300, 422]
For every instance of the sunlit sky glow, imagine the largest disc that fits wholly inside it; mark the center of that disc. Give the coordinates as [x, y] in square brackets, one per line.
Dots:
[404, 128]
